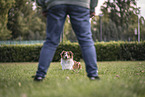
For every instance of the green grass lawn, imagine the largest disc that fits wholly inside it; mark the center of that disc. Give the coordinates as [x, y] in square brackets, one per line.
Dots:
[118, 79]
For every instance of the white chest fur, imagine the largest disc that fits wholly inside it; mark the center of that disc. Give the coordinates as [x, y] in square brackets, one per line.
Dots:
[67, 64]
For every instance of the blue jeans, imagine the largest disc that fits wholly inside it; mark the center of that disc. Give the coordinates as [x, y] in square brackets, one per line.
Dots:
[79, 17]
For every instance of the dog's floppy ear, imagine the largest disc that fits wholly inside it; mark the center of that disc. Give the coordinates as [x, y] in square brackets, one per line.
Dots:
[62, 53]
[71, 54]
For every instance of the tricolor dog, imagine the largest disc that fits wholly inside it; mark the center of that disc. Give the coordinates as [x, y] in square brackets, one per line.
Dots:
[67, 61]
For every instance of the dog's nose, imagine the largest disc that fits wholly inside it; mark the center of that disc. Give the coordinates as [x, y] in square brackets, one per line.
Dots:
[65, 57]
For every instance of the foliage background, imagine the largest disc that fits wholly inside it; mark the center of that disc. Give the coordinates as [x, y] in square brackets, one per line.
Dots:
[19, 20]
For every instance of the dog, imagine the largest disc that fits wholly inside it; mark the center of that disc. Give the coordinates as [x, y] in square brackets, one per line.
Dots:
[77, 66]
[67, 61]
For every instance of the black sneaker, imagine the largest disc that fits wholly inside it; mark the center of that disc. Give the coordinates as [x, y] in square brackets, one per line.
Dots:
[38, 78]
[94, 78]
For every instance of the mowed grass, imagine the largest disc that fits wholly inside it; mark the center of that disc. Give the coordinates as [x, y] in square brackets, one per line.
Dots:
[118, 79]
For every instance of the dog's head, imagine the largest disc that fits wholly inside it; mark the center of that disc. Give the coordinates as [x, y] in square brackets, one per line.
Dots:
[66, 55]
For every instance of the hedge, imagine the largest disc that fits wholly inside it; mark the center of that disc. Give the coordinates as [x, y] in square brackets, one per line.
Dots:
[106, 51]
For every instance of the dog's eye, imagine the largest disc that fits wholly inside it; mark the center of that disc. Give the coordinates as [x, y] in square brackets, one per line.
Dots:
[69, 53]
[64, 53]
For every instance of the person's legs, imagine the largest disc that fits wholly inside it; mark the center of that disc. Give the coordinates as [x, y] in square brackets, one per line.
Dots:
[55, 21]
[79, 17]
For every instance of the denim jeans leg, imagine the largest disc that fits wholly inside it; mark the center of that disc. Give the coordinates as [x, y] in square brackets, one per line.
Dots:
[55, 21]
[79, 17]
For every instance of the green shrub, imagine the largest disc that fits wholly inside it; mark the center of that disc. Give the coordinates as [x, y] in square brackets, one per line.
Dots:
[109, 51]
[132, 51]
[19, 53]
[106, 51]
